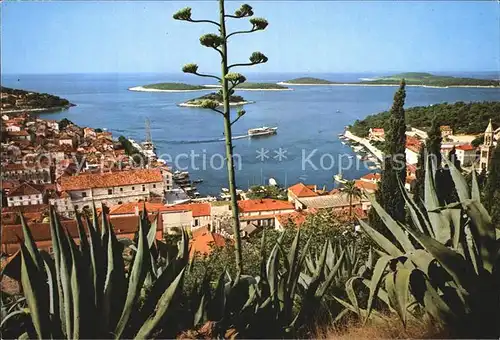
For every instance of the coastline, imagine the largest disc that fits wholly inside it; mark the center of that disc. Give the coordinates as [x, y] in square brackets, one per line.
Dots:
[240, 89]
[44, 109]
[143, 89]
[230, 104]
[380, 85]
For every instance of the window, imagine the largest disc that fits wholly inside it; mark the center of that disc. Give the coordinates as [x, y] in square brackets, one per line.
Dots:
[121, 189]
[120, 202]
[11, 199]
[76, 207]
[196, 223]
[143, 188]
[133, 188]
[110, 191]
[84, 194]
[154, 186]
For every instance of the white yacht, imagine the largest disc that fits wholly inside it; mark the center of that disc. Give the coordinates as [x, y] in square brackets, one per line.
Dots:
[262, 131]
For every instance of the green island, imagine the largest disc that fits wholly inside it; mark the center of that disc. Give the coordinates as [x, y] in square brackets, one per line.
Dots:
[463, 118]
[174, 87]
[233, 100]
[428, 79]
[15, 100]
[261, 86]
[411, 78]
[308, 81]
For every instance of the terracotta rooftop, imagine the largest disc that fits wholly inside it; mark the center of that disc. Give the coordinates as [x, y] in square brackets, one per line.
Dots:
[41, 231]
[465, 147]
[302, 190]
[372, 177]
[26, 208]
[197, 209]
[204, 241]
[114, 179]
[265, 204]
[366, 185]
[26, 189]
[297, 217]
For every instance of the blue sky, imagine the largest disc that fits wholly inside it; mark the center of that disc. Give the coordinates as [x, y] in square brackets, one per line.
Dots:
[302, 36]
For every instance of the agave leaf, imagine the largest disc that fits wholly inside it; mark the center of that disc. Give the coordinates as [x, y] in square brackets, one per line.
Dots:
[263, 272]
[431, 300]
[475, 192]
[402, 290]
[272, 270]
[24, 336]
[163, 306]
[136, 279]
[418, 218]
[381, 240]
[421, 259]
[351, 294]
[392, 225]
[96, 260]
[378, 273]
[484, 233]
[84, 242]
[65, 274]
[56, 245]
[300, 263]
[326, 284]
[292, 259]
[451, 261]
[459, 180]
[35, 293]
[29, 242]
[50, 269]
[75, 289]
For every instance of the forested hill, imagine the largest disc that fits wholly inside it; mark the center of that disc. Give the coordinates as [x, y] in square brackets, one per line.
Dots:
[16, 100]
[467, 118]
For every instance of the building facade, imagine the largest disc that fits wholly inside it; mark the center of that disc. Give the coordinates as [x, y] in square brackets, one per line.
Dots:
[486, 149]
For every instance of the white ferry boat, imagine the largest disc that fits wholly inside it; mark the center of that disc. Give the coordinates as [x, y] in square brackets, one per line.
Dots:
[262, 131]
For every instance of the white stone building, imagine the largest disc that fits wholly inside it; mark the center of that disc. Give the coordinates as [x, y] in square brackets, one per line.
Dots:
[113, 188]
[25, 194]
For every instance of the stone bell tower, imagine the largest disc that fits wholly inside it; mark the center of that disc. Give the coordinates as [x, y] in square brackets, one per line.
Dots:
[487, 148]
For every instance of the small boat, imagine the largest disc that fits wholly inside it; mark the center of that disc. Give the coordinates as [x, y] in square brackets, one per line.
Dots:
[225, 190]
[350, 156]
[197, 181]
[262, 131]
[343, 143]
[338, 178]
[373, 167]
[338, 111]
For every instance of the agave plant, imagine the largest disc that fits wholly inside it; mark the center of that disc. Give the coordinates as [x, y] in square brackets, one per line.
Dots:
[85, 291]
[284, 296]
[444, 265]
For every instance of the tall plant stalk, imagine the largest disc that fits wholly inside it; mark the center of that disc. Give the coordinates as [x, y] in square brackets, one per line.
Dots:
[228, 82]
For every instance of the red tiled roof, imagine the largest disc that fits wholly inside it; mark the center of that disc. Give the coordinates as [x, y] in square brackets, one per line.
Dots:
[301, 190]
[24, 166]
[198, 209]
[26, 189]
[26, 208]
[204, 240]
[113, 179]
[41, 231]
[369, 186]
[378, 130]
[129, 208]
[265, 204]
[445, 128]
[17, 133]
[297, 218]
[374, 176]
[465, 147]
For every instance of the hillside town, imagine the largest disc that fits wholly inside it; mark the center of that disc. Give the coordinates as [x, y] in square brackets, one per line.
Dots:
[45, 162]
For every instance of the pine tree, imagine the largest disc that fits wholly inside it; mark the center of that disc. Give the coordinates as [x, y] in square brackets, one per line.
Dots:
[389, 193]
[492, 187]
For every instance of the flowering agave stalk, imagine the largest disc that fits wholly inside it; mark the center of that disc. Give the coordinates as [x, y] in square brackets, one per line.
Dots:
[228, 80]
[446, 263]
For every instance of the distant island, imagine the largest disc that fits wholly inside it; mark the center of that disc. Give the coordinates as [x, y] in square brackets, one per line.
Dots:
[181, 87]
[428, 79]
[463, 118]
[17, 101]
[412, 79]
[233, 100]
[307, 81]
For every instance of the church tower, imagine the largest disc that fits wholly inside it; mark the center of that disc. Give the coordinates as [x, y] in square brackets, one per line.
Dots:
[487, 148]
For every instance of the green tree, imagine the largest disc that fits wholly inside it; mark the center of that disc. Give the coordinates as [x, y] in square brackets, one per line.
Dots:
[351, 191]
[228, 80]
[492, 187]
[389, 194]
